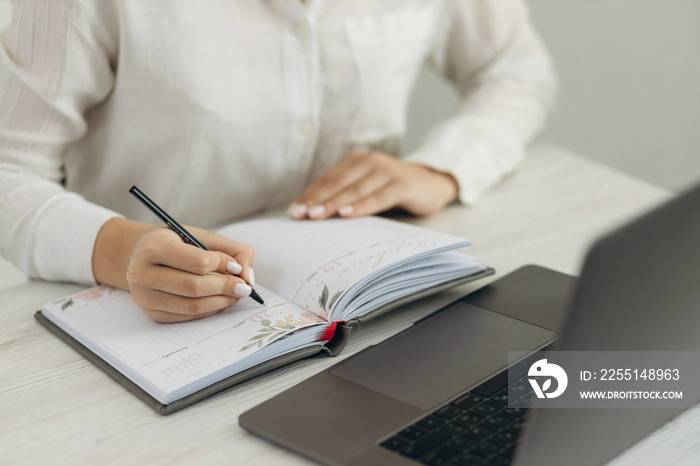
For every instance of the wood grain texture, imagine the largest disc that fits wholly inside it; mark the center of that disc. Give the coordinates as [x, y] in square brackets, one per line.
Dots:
[59, 409]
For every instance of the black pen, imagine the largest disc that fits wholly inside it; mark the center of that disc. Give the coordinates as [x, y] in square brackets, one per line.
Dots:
[186, 236]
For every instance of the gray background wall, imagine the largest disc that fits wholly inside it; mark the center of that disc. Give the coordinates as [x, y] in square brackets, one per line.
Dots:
[630, 87]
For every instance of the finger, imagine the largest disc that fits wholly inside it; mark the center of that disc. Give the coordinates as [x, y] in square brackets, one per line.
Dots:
[191, 285]
[194, 260]
[181, 308]
[381, 200]
[329, 186]
[348, 171]
[241, 253]
[353, 193]
[165, 248]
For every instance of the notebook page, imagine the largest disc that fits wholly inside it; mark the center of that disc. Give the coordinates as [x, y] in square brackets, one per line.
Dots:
[404, 281]
[313, 263]
[164, 357]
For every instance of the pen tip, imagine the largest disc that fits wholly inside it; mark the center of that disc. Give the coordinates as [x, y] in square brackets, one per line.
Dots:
[256, 297]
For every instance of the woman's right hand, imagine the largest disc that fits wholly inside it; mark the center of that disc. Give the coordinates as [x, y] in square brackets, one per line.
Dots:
[170, 280]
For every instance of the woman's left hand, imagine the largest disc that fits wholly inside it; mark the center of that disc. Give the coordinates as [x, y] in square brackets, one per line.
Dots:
[368, 183]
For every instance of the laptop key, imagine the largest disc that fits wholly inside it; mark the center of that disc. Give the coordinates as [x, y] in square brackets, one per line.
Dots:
[480, 431]
[394, 443]
[441, 455]
[467, 458]
[515, 412]
[486, 448]
[448, 412]
[518, 424]
[495, 423]
[469, 418]
[504, 437]
[488, 407]
[423, 445]
[520, 387]
[431, 422]
[527, 400]
[451, 428]
[413, 432]
[507, 436]
[514, 428]
[467, 401]
[501, 397]
[500, 420]
[463, 441]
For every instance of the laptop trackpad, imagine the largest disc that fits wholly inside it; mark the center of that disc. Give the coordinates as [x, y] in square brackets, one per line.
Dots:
[443, 355]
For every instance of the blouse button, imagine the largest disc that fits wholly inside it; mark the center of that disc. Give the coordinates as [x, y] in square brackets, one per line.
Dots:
[306, 127]
[301, 32]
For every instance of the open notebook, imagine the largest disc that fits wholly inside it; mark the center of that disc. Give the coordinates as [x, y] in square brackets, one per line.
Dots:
[317, 280]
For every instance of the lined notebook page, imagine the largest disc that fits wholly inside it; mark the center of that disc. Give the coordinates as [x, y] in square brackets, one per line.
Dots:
[169, 356]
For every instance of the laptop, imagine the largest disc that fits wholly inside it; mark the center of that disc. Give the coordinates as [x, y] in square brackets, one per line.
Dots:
[409, 399]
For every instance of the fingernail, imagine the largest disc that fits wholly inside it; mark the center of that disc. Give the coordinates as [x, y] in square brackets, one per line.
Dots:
[346, 210]
[316, 211]
[242, 290]
[296, 210]
[251, 276]
[233, 268]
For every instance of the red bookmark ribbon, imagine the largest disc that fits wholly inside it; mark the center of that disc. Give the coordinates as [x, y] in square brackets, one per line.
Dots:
[330, 331]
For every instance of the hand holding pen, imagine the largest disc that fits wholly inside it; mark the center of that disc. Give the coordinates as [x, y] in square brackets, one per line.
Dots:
[231, 266]
[172, 281]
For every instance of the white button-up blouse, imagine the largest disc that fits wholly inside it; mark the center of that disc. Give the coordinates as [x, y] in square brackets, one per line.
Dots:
[219, 109]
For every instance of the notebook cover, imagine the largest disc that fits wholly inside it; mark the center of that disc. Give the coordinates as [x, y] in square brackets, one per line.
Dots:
[182, 402]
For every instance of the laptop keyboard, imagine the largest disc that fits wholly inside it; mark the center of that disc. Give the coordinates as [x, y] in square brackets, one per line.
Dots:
[476, 428]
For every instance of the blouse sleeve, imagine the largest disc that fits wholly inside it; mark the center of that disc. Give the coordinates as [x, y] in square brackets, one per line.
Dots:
[490, 52]
[56, 60]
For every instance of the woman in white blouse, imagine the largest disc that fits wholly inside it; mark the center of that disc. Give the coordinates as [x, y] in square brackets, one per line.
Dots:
[221, 109]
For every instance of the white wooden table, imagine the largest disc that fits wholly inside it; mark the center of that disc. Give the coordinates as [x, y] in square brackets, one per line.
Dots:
[57, 408]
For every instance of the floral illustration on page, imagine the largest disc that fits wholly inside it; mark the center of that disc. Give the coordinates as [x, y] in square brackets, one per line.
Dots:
[91, 294]
[270, 332]
[325, 304]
